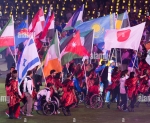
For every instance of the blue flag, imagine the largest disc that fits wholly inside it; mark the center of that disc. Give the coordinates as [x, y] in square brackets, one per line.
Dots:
[28, 60]
[99, 26]
[21, 32]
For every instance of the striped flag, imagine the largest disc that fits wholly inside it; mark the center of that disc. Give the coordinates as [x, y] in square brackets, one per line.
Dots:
[76, 19]
[122, 20]
[28, 60]
[7, 34]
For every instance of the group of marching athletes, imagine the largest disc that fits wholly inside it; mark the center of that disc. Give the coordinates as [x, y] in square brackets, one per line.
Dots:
[86, 79]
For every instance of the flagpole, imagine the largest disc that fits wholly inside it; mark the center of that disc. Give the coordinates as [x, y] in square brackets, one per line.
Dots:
[134, 61]
[59, 54]
[116, 56]
[15, 58]
[92, 46]
[121, 58]
[11, 53]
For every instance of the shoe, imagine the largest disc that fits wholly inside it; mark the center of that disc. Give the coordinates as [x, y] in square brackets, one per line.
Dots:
[58, 112]
[126, 110]
[22, 113]
[18, 118]
[11, 118]
[69, 114]
[7, 114]
[64, 111]
[29, 115]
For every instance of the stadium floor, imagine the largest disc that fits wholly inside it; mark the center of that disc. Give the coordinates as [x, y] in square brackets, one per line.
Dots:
[82, 115]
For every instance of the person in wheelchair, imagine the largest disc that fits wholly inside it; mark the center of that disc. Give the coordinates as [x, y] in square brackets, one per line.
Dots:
[44, 95]
[94, 89]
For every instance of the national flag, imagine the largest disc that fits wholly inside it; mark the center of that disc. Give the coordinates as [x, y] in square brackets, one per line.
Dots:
[48, 16]
[28, 60]
[122, 20]
[128, 38]
[7, 34]
[76, 19]
[72, 48]
[49, 26]
[21, 32]
[87, 39]
[52, 59]
[37, 24]
[99, 26]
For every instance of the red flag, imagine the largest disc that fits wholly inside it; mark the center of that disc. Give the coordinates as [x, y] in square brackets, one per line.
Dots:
[37, 23]
[47, 27]
[75, 46]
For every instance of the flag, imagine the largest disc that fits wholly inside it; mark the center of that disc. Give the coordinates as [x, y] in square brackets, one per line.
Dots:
[21, 32]
[52, 60]
[122, 20]
[72, 48]
[49, 26]
[87, 40]
[99, 26]
[75, 20]
[37, 23]
[2, 49]
[28, 60]
[128, 38]
[48, 16]
[7, 34]
[86, 37]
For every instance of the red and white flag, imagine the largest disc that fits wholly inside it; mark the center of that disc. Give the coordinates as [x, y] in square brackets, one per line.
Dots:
[49, 26]
[128, 38]
[7, 34]
[37, 23]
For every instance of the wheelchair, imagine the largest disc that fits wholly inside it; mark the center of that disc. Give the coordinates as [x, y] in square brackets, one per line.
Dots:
[95, 101]
[43, 107]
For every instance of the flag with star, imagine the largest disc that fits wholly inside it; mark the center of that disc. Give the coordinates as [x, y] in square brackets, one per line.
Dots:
[99, 25]
[28, 60]
[72, 48]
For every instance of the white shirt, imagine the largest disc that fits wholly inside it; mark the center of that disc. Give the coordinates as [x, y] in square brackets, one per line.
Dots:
[109, 74]
[122, 85]
[46, 93]
[29, 85]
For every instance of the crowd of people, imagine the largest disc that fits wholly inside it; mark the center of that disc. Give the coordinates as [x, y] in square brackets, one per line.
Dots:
[113, 82]
[119, 79]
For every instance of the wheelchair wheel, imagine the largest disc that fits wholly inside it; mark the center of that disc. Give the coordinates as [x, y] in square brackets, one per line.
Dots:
[96, 101]
[49, 108]
[56, 101]
[87, 102]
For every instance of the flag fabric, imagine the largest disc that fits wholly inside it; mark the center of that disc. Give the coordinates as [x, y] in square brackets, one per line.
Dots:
[21, 32]
[48, 16]
[28, 60]
[49, 26]
[2, 49]
[76, 19]
[72, 48]
[122, 20]
[148, 57]
[128, 38]
[7, 34]
[99, 26]
[52, 60]
[37, 23]
[87, 39]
